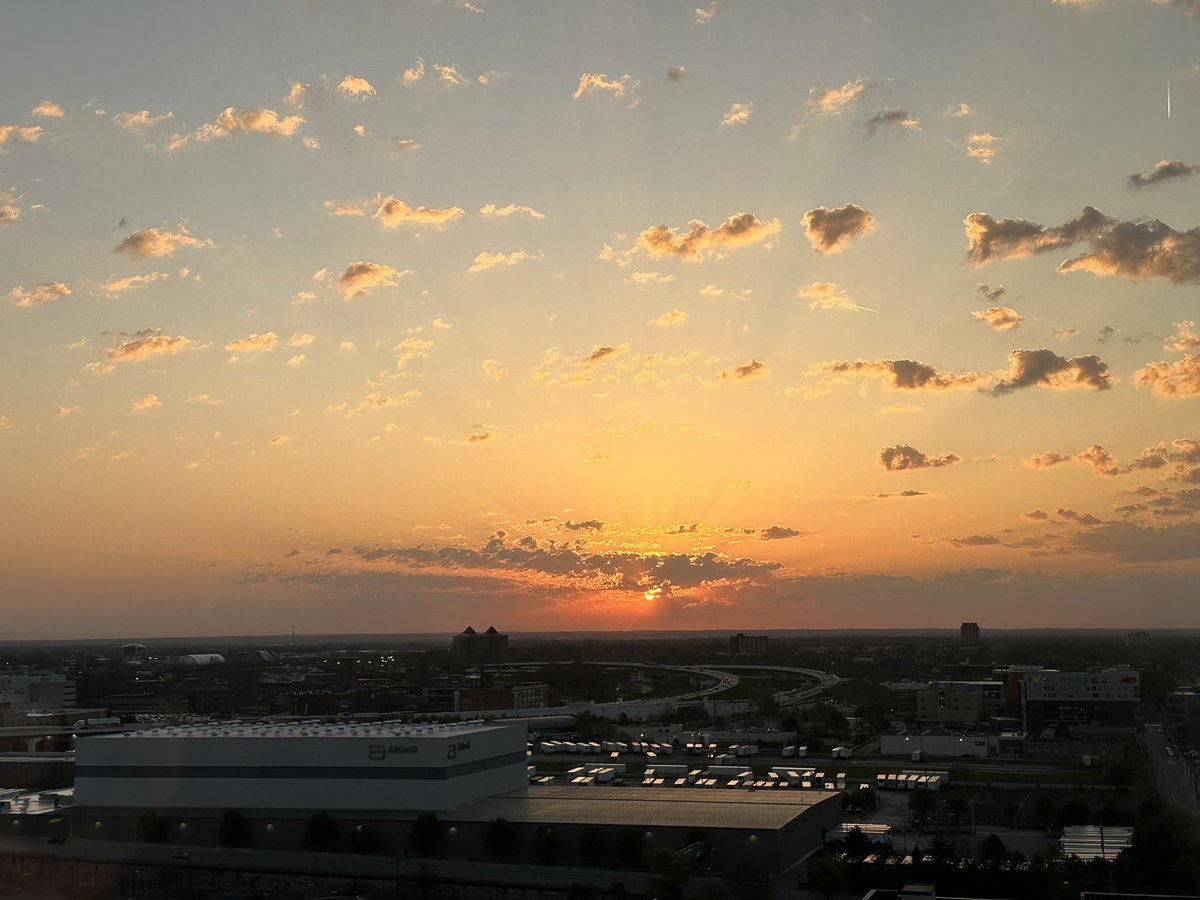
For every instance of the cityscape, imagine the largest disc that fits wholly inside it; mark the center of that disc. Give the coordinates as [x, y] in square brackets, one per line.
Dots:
[607, 449]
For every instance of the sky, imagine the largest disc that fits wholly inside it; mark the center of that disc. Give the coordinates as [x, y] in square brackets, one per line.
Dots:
[404, 316]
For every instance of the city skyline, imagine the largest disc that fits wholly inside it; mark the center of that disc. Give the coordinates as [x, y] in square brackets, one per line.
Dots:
[396, 317]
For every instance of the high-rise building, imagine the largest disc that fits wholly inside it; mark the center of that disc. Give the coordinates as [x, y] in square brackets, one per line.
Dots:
[968, 634]
[748, 644]
[473, 647]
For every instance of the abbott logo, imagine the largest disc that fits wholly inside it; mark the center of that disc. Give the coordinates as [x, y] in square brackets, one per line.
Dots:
[376, 751]
[379, 752]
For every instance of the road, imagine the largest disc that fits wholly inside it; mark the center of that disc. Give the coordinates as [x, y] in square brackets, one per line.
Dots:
[1169, 775]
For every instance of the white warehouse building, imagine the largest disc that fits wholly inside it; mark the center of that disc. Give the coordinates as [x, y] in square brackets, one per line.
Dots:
[303, 766]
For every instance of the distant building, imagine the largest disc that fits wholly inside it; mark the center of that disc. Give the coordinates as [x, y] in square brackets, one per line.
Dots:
[748, 645]
[473, 647]
[27, 691]
[968, 634]
[959, 702]
[1181, 704]
[1137, 639]
[526, 695]
[1101, 701]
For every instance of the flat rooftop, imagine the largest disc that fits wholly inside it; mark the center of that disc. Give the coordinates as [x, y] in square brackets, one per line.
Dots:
[678, 807]
[393, 729]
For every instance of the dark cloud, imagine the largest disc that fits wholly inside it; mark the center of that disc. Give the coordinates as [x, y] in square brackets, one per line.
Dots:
[991, 294]
[900, 457]
[890, 117]
[599, 352]
[746, 371]
[884, 495]
[683, 529]
[1047, 369]
[779, 533]
[1142, 249]
[829, 230]
[975, 540]
[1127, 542]
[676, 73]
[899, 374]
[1163, 504]
[1166, 170]
[1064, 512]
[1106, 334]
[1045, 460]
[586, 525]
[1037, 515]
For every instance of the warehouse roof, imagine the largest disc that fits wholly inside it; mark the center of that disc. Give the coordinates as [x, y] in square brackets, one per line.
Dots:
[645, 807]
[314, 729]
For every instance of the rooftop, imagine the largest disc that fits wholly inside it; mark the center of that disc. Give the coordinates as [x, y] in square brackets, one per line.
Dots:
[392, 729]
[645, 807]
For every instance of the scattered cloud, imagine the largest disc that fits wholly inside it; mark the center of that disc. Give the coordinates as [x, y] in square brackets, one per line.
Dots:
[155, 242]
[1165, 170]
[279, 440]
[48, 109]
[491, 211]
[1046, 460]
[487, 260]
[414, 74]
[831, 101]
[205, 400]
[957, 110]
[998, 318]
[887, 118]
[245, 121]
[902, 457]
[737, 114]
[898, 374]
[393, 213]
[255, 343]
[747, 371]
[651, 278]
[141, 404]
[1047, 369]
[701, 242]
[482, 437]
[9, 214]
[301, 339]
[829, 230]
[827, 295]
[676, 73]
[145, 344]
[492, 369]
[887, 495]
[115, 286]
[1063, 334]
[1185, 337]
[1141, 249]
[779, 533]
[353, 87]
[42, 293]
[669, 319]
[361, 277]
[297, 94]
[983, 146]
[705, 14]
[29, 134]
[64, 411]
[1171, 379]
[141, 120]
[597, 83]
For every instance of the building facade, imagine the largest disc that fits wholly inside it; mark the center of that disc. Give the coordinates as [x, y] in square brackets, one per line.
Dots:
[1102, 701]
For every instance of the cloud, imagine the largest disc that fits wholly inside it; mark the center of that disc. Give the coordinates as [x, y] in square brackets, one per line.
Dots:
[898, 374]
[354, 87]
[974, 540]
[48, 109]
[1046, 460]
[42, 293]
[598, 83]
[255, 343]
[831, 101]
[1047, 369]
[737, 114]
[412, 75]
[1133, 543]
[586, 525]
[1142, 249]
[1165, 170]
[30, 134]
[700, 241]
[676, 73]
[747, 371]
[605, 351]
[1185, 337]
[361, 277]
[492, 370]
[998, 318]
[141, 404]
[409, 349]
[116, 286]
[991, 293]
[651, 278]
[279, 440]
[376, 401]
[705, 14]
[886, 495]
[297, 94]
[9, 214]
[482, 437]
[491, 211]
[1171, 379]
[393, 213]
[205, 400]
[487, 260]
[258, 120]
[64, 411]
[827, 295]
[296, 361]
[140, 120]
[983, 147]
[154, 242]
[448, 75]
[1063, 334]
[902, 457]
[957, 110]
[669, 319]
[829, 230]
[145, 344]
[779, 533]
[889, 117]
[301, 339]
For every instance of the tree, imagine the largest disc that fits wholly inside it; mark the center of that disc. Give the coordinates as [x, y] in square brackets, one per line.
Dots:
[992, 849]
[828, 874]
[500, 836]
[1045, 809]
[921, 804]
[426, 836]
[320, 832]
[234, 830]
[548, 845]
[150, 827]
[956, 806]
[941, 850]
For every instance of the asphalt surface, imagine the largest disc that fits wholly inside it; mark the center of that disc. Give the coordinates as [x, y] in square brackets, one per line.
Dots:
[1169, 773]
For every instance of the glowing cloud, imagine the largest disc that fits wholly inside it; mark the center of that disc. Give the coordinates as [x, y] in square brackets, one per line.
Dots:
[141, 404]
[145, 344]
[42, 293]
[140, 120]
[983, 147]
[491, 211]
[827, 295]
[670, 319]
[9, 214]
[353, 87]
[1166, 170]
[492, 370]
[246, 121]
[487, 260]
[255, 343]
[601, 84]
[998, 318]
[898, 374]
[115, 286]
[361, 277]
[831, 101]
[705, 14]
[29, 134]
[1171, 379]
[154, 242]
[747, 371]
[393, 213]
[902, 457]
[700, 241]
[829, 230]
[737, 114]
[48, 109]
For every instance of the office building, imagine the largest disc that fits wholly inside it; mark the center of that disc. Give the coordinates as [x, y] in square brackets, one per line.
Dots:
[472, 648]
[968, 634]
[748, 645]
[1099, 702]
